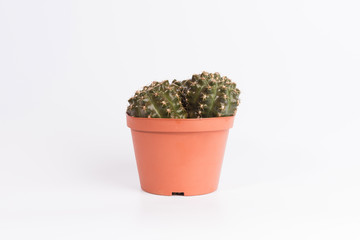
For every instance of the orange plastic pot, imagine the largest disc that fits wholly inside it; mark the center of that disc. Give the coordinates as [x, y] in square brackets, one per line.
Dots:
[179, 156]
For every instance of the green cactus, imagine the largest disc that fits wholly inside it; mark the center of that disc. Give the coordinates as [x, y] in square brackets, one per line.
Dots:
[158, 100]
[204, 95]
[209, 95]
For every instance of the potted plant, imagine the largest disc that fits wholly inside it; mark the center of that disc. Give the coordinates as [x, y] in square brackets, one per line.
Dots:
[179, 133]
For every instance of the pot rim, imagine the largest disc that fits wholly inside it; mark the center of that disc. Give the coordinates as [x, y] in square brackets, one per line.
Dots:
[179, 125]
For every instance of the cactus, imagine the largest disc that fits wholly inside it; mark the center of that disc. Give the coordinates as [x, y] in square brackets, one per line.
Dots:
[209, 95]
[204, 95]
[158, 100]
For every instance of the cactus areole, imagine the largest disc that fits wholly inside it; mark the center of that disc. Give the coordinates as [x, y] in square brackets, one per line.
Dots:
[179, 133]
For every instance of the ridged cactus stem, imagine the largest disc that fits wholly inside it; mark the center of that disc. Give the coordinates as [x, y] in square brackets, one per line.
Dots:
[210, 95]
[158, 100]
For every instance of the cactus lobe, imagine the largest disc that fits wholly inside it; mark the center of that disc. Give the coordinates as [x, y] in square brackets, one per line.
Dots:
[210, 95]
[158, 100]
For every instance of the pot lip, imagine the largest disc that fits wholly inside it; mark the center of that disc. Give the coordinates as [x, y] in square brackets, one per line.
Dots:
[179, 125]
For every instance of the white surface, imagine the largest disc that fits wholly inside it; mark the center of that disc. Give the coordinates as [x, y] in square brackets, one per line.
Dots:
[67, 68]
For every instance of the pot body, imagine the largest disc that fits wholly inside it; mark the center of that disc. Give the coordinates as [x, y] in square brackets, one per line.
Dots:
[179, 156]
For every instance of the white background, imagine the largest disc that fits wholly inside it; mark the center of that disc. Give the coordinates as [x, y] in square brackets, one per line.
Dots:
[292, 163]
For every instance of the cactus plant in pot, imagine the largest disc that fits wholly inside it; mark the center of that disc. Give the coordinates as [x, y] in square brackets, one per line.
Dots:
[179, 132]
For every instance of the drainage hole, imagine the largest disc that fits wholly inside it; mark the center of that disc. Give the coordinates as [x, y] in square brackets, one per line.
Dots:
[178, 193]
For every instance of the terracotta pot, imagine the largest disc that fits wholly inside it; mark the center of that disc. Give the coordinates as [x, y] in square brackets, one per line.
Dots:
[179, 156]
